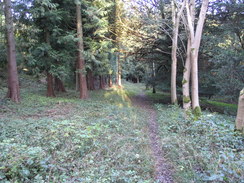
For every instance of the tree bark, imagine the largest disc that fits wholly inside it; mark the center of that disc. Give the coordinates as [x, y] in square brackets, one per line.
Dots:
[195, 44]
[154, 75]
[119, 71]
[137, 80]
[81, 62]
[240, 112]
[174, 55]
[101, 82]
[59, 86]
[104, 80]
[176, 20]
[110, 82]
[50, 91]
[186, 78]
[77, 87]
[13, 80]
[50, 86]
[90, 80]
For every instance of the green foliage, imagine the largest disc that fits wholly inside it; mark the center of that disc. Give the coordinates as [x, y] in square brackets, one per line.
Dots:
[68, 140]
[223, 44]
[133, 70]
[206, 150]
[220, 106]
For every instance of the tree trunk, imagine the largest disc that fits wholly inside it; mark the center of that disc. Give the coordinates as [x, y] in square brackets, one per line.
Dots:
[90, 80]
[154, 75]
[77, 87]
[119, 71]
[195, 51]
[59, 86]
[104, 81]
[110, 82]
[186, 79]
[174, 55]
[13, 80]
[176, 20]
[137, 80]
[81, 63]
[195, 44]
[154, 89]
[240, 112]
[50, 91]
[101, 82]
[50, 86]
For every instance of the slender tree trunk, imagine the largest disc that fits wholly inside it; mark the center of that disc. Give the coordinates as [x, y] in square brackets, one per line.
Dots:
[59, 86]
[154, 75]
[81, 61]
[174, 55]
[110, 82]
[154, 89]
[176, 20]
[195, 51]
[101, 82]
[240, 112]
[90, 80]
[92, 83]
[77, 87]
[13, 80]
[104, 81]
[50, 91]
[186, 78]
[119, 71]
[50, 86]
[137, 80]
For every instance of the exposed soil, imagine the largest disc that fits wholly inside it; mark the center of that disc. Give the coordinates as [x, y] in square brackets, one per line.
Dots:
[162, 169]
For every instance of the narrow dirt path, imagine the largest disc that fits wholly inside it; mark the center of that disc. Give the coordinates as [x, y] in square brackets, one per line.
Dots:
[162, 170]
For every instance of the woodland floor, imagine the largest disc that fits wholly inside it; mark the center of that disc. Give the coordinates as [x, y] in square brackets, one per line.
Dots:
[119, 135]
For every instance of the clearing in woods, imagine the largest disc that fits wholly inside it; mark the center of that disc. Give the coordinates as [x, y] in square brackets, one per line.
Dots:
[117, 135]
[111, 137]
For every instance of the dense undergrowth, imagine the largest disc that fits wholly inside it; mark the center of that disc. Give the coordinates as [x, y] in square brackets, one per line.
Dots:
[207, 150]
[64, 139]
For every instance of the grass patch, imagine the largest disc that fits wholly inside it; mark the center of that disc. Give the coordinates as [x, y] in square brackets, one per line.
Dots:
[221, 107]
[206, 150]
[65, 139]
[159, 97]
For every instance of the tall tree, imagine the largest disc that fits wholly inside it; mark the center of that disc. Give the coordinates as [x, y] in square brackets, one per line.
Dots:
[13, 81]
[176, 14]
[195, 37]
[50, 86]
[187, 66]
[80, 60]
